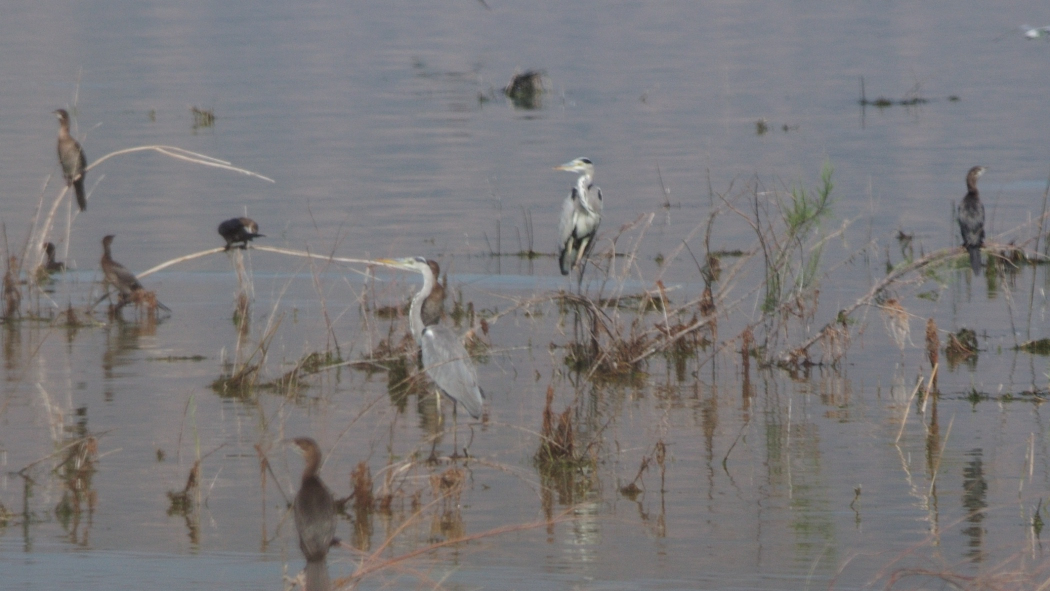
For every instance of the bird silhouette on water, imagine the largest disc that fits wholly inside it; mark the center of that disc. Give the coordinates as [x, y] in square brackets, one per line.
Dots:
[52, 266]
[971, 219]
[241, 230]
[314, 511]
[71, 158]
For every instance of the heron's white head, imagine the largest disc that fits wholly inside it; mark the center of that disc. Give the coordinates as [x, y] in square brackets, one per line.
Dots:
[417, 264]
[580, 165]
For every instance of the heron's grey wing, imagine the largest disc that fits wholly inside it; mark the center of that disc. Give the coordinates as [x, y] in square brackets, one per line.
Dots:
[566, 225]
[592, 202]
[447, 363]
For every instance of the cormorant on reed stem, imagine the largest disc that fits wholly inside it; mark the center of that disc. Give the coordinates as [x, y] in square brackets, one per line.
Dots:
[71, 157]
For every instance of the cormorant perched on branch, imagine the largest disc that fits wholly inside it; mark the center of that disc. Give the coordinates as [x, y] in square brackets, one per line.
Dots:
[240, 230]
[71, 157]
[971, 219]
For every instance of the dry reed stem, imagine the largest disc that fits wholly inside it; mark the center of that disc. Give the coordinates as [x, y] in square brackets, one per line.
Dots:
[371, 564]
[907, 410]
[866, 299]
[181, 154]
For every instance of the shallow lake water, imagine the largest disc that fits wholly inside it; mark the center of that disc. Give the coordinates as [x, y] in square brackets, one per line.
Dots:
[386, 133]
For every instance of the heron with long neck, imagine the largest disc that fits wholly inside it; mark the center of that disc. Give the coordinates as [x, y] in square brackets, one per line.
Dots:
[581, 213]
[314, 510]
[445, 359]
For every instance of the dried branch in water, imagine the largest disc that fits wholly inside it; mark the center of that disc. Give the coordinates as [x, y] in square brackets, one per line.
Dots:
[182, 154]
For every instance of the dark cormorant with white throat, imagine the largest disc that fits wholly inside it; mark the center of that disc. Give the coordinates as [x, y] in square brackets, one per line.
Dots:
[971, 219]
[241, 230]
[314, 510]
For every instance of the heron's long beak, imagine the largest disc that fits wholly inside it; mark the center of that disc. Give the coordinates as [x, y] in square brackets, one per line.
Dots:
[395, 263]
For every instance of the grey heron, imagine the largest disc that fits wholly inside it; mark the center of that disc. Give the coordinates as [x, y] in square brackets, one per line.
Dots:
[71, 158]
[314, 511]
[445, 359]
[971, 219]
[581, 213]
[240, 230]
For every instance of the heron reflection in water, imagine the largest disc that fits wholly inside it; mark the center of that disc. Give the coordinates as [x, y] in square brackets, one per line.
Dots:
[445, 359]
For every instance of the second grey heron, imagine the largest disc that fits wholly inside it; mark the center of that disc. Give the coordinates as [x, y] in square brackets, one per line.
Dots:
[314, 511]
[581, 213]
[445, 359]
[971, 219]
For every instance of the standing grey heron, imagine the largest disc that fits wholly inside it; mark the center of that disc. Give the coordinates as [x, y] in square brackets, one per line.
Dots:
[580, 215]
[971, 219]
[71, 158]
[445, 359]
[314, 511]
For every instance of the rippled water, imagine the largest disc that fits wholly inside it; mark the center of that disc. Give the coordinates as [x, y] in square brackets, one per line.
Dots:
[386, 134]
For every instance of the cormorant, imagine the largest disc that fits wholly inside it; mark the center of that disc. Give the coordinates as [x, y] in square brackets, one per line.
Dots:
[434, 304]
[52, 266]
[239, 230]
[971, 219]
[314, 516]
[117, 275]
[71, 157]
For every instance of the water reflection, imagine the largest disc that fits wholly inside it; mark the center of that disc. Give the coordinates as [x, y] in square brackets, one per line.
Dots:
[973, 500]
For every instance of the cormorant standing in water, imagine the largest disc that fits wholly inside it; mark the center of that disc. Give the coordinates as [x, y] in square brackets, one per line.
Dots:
[117, 275]
[239, 230]
[971, 219]
[314, 516]
[71, 157]
[52, 266]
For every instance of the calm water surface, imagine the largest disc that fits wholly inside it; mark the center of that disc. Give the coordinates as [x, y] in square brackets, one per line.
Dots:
[386, 135]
